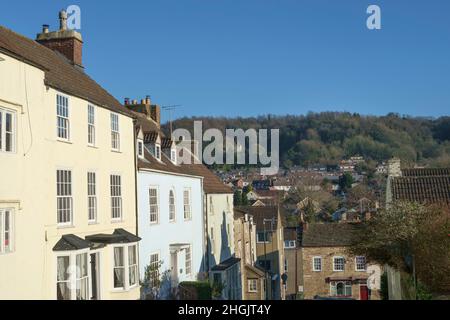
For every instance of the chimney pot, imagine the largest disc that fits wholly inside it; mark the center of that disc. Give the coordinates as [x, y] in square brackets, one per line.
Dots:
[147, 99]
[45, 28]
[63, 20]
[135, 101]
[143, 101]
[127, 101]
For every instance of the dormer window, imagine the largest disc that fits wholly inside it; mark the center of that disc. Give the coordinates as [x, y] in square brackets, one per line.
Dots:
[158, 151]
[140, 148]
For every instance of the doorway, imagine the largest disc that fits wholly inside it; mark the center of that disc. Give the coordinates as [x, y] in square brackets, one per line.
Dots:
[363, 292]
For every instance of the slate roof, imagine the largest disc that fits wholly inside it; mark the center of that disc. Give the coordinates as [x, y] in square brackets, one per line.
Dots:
[328, 234]
[118, 236]
[226, 264]
[60, 74]
[70, 242]
[427, 185]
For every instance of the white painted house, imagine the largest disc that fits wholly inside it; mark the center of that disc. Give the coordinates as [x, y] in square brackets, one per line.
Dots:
[170, 209]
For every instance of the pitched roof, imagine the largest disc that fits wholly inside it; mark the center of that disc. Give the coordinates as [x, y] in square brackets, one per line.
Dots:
[69, 242]
[328, 234]
[261, 213]
[60, 74]
[427, 185]
[224, 265]
[290, 233]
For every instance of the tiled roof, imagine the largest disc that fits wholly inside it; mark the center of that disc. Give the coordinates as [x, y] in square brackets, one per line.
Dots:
[426, 172]
[328, 234]
[60, 74]
[427, 185]
[261, 213]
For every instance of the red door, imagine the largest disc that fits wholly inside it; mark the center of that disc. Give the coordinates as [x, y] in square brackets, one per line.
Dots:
[363, 292]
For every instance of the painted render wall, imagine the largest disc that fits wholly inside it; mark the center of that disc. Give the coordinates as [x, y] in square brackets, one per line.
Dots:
[28, 183]
[219, 209]
[157, 238]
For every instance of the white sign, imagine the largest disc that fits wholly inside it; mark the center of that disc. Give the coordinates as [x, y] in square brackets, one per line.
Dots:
[374, 280]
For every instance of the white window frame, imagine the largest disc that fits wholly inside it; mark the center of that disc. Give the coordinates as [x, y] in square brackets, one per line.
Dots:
[73, 273]
[172, 206]
[290, 244]
[11, 230]
[357, 264]
[64, 196]
[173, 155]
[92, 196]
[91, 124]
[333, 288]
[154, 277]
[188, 262]
[116, 197]
[187, 206]
[154, 205]
[266, 237]
[158, 151]
[252, 285]
[3, 132]
[63, 115]
[314, 266]
[126, 267]
[133, 266]
[334, 264]
[140, 148]
[115, 132]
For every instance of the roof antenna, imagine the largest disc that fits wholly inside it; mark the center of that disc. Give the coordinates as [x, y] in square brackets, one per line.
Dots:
[170, 109]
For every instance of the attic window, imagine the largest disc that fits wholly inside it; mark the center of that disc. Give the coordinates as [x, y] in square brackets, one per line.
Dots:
[158, 151]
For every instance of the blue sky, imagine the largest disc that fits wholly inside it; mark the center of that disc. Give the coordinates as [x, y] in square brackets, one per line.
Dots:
[245, 57]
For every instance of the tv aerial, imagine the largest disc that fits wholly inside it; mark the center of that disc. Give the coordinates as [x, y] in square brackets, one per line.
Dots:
[170, 108]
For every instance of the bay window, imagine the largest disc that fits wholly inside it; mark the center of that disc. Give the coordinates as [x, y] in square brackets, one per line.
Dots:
[72, 282]
[125, 268]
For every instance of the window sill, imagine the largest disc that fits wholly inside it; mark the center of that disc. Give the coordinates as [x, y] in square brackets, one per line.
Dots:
[116, 220]
[65, 226]
[92, 146]
[92, 223]
[64, 141]
[116, 151]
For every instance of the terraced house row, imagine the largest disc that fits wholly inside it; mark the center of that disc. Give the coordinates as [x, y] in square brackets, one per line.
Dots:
[93, 200]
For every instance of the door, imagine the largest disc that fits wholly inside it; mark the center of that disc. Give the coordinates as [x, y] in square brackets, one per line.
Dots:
[95, 276]
[363, 292]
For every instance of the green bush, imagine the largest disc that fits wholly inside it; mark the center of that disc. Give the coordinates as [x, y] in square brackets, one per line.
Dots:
[203, 288]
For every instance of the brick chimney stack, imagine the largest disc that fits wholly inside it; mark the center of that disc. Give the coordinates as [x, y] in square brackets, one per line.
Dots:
[67, 42]
[145, 106]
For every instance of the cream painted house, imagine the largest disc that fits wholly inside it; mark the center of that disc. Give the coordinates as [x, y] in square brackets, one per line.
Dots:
[67, 162]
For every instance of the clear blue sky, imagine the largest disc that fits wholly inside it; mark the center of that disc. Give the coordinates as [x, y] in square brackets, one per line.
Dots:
[252, 57]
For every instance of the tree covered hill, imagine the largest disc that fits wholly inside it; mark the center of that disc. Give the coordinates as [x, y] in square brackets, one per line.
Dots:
[327, 137]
